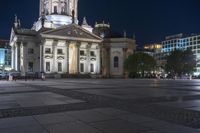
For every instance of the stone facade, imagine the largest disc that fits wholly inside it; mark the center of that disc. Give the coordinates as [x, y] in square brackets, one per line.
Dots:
[65, 47]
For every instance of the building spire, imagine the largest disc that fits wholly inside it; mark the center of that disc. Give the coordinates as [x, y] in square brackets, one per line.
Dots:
[43, 19]
[125, 34]
[17, 23]
[84, 21]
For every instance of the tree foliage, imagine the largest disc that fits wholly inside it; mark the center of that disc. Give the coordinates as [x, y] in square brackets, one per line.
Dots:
[181, 62]
[139, 63]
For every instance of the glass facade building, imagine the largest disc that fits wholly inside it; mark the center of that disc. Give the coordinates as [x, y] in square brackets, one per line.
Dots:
[182, 42]
[5, 55]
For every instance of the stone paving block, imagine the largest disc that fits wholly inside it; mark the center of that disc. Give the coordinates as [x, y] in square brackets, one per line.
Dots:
[153, 131]
[31, 129]
[17, 122]
[135, 118]
[177, 129]
[119, 126]
[111, 111]
[89, 116]
[183, 104]
[8, 104]
[54, 118]
[155, 124]
[73, 127]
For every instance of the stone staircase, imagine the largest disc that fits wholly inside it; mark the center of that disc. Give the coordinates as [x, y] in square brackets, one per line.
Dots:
[76, 76]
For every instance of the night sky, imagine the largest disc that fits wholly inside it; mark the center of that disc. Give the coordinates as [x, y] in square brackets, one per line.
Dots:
[150, 20]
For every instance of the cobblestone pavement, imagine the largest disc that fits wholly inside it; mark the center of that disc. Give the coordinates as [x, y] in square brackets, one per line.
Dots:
[100, 106]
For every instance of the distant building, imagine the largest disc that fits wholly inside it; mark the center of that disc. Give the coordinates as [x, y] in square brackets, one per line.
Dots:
[183, 42]
[57, 44]
[154, 50]
[155, 47]
[5, 55]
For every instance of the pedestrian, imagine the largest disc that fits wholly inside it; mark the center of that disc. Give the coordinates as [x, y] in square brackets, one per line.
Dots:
[43, 76]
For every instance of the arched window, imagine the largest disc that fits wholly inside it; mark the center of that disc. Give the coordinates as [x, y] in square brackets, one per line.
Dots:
[116, 62]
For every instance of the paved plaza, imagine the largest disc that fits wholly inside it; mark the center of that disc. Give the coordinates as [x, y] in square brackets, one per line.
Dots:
[100, 106]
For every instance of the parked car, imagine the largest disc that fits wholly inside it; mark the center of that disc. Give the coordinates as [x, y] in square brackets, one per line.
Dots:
[3, 75]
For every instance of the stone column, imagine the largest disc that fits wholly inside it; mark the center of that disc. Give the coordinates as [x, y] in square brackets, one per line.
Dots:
[54, 65]
[13, 57]
[98, 60]
[67, 58]
[17, 57]
[78, 57]
[88, 57]
[41, 57]
[108, 61]
[23, 63]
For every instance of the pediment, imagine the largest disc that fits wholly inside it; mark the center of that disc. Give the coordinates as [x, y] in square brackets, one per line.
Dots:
[73, 31]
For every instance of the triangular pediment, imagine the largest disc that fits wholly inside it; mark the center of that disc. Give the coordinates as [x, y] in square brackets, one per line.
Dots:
[72, 31]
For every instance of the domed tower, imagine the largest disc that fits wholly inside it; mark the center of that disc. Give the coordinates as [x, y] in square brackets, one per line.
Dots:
[56, 13]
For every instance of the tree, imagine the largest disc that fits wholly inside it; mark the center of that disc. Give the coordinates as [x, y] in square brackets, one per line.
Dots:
[181, 62]
[140, 63]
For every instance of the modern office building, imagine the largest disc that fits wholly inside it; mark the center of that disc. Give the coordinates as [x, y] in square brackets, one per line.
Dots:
[183, 42]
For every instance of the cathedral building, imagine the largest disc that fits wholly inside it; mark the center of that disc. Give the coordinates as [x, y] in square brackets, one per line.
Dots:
[57, 44]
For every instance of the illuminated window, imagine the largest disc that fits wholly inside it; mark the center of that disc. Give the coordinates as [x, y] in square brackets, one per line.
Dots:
[116, 62]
